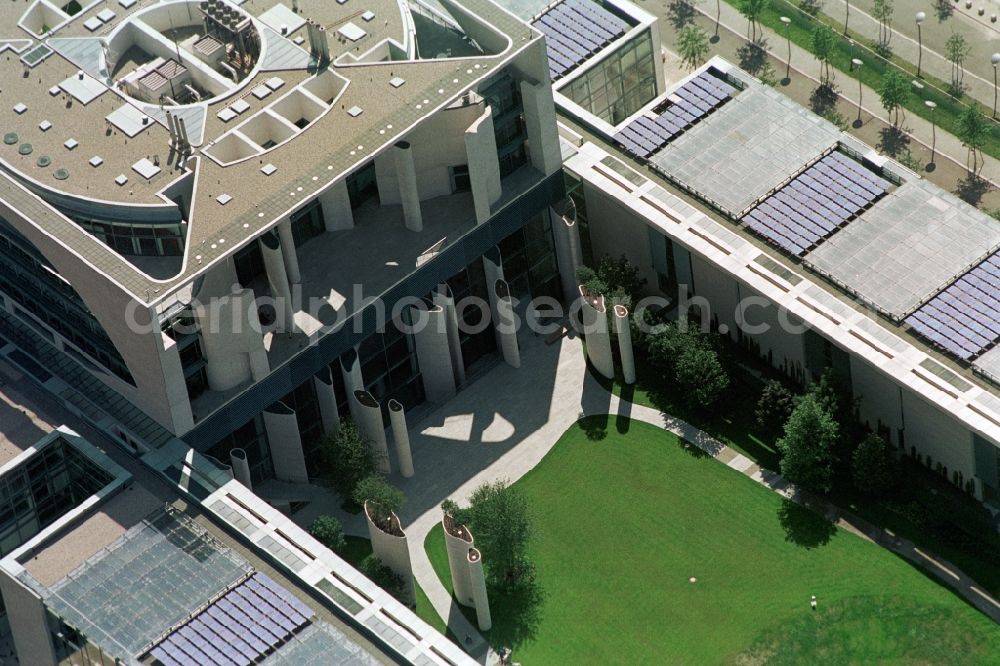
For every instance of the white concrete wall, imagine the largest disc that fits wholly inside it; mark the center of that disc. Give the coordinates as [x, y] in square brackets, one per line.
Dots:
[880, 399]
[615, 231]
[936, 434]
[27, 620]
[722, 292]
[438, 143]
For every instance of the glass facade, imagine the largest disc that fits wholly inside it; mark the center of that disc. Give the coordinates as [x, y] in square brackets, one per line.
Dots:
[35, 286]
[44, 488]
[529, 260]
[574, 190]
[619, 85]
[184, 330]
[504, 98]
[252, 438]
[136, 240]
[470, 282]
[307, 223]
[389, 367]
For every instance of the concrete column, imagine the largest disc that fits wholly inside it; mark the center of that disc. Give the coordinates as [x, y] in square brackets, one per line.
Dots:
[327, 399]
[26, 617]
[281, 291]
[285, 442]
[288, 252]
[409, 194]
[390, 546]
[231, 337]
[568, 252]
[506, 325]
[372, 426]
[350, 370]
[337, 212]
[430, 335]
[401, 438]
[241, 467]
[484, 165]
[624, 331]
[458, 540]
[595, 328]
[443, 297]
[477, 581]
[540, 122]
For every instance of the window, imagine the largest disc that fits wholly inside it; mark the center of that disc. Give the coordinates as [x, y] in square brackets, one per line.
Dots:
[307, 223]
[460, 181]
[620, 85]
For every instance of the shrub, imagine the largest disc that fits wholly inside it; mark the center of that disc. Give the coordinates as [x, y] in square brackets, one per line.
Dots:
[774, 407]
[807, 446]
[384, 577]
[329, 532]
[383, 498]
[873, 466]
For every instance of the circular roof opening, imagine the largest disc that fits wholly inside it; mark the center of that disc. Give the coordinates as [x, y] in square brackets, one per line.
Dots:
[10, 138]
[60, 174]
[43, 161]
[25, 149]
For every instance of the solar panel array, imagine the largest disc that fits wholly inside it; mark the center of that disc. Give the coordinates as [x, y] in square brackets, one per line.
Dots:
[816, 203]
[575, 30]
[693, 101]
[964, 318]
[238, 628]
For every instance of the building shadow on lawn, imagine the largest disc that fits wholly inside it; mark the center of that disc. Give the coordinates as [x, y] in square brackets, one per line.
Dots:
[803, 526]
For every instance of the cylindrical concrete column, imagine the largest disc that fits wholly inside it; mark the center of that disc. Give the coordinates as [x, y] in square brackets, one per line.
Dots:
[372, 426]
[326, 397]
[595, 329]
[288, 252]
[484, 165]
[277, 277]
[477, 581]
[624, 331]
[430, 337]
[409, 194]
[389, 545]
[241, 467]
[568, 254]
[444, 298]
[506, 324]
[285, 442]
[458, 540]
[338, 214]
[350, 371]
[401, 438]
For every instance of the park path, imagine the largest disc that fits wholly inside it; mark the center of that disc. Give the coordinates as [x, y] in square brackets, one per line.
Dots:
[502, 425]
[804, 65]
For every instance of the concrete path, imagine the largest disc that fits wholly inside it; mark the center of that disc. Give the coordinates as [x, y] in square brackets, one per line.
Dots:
[503, 424]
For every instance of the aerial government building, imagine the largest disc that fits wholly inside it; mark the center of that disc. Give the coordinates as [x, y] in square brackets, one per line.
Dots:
[210, 210]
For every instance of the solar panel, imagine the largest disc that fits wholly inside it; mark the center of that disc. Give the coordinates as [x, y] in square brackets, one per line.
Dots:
[574, 31]
[816, 203]
[964, 318]
[689, 104]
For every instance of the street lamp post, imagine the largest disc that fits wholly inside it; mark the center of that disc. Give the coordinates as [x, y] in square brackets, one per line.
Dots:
[920, 43]
[856, 63]
[788, 62]
[931, 105]
[995, 59]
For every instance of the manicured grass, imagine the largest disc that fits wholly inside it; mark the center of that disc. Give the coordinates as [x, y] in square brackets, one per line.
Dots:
[624, 519]
[800, 32]
[358, 549]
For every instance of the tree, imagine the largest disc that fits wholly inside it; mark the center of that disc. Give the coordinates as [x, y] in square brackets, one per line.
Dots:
[347, 458]
[383, 499]
[807, 446]
[894, 91]
[699, 371]
[821, 43]
[329, 532]
[873, 466]
[972, 132]
[752, 10]
[774, 407]
[811, 7]
[882, 12]
[621, 279]
[957, 49]
[692, 45]
[500, 521]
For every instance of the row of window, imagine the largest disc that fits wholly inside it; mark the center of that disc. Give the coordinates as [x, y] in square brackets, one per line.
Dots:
[137, 240]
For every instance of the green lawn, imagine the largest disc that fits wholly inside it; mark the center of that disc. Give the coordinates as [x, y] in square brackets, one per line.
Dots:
[624, 520]
[358, 549]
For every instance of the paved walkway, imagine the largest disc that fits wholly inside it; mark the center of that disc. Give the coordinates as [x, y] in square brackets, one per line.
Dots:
[502, 425]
